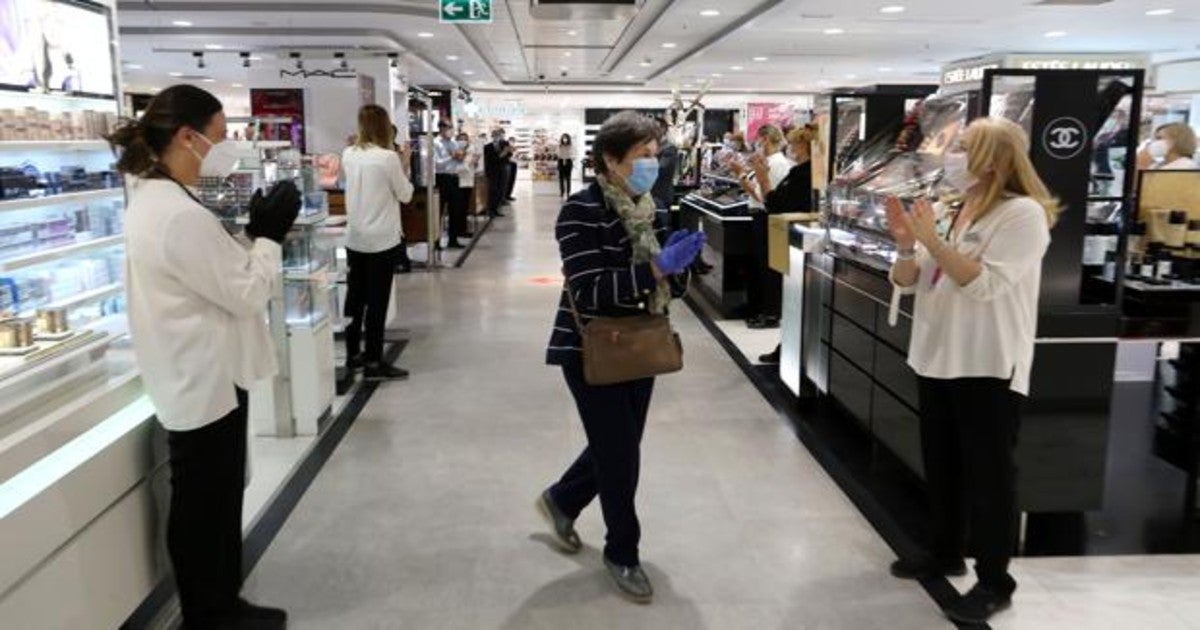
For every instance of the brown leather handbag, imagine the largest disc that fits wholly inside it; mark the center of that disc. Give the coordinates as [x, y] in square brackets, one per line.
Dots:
[622, 349]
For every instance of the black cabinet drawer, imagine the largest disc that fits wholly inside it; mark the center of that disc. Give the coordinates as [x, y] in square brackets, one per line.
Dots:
[892, 371]
[896, 336]
[898, 428]
[855, 343]
[852, 388]
[854, 305]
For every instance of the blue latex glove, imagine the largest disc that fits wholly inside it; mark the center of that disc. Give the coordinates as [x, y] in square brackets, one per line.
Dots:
[678, 256]
[677, 236]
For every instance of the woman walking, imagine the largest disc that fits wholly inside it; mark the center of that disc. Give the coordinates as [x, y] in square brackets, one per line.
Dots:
[973, 331]
[197, 314]
[615, 266]
[376, 185]
[566, 164]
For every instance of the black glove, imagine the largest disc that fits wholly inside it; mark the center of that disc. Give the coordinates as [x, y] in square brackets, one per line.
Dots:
[273, 215]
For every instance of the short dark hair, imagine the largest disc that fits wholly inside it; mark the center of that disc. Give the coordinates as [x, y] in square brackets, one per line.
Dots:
[143, 141]
[619, 135]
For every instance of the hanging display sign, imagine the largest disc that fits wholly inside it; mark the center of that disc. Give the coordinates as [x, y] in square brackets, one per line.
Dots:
[968, 73]
[503, 110]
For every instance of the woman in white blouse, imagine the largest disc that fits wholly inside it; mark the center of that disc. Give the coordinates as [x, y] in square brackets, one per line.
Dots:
[974, 325]
[1172, 149]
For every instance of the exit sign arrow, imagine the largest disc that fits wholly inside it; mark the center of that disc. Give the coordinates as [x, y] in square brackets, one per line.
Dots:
[465, 11]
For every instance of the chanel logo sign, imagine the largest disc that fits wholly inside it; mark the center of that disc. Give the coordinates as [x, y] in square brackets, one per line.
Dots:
[1064, 138]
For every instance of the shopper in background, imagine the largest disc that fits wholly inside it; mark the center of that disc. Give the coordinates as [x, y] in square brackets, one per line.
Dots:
[566, 164]
[466, 172]
[513, 167]
[973, 330]
[376, 184]
[197, 314]
[403, 262]
[1173, 149]
[668, 165]
[448, 158]
[615, 266]
[496, 157]
[793, 194]
[768, 159]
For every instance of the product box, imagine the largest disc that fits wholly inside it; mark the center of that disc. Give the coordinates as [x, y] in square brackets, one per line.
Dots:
[777, 237]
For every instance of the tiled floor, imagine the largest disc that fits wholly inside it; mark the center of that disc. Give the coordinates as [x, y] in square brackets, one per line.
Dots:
[423, 516]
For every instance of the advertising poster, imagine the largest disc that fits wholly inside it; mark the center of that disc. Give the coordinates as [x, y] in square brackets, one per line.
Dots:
[280, 103]
[759, 114]
[57, 46]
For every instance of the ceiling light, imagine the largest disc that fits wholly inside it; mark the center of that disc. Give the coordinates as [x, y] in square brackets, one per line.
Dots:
[670, 45]
[238, 85]
[851, 76]
[567, 54]
[710, 13]
[424, 35]
[717, 75]
[892, 8]
[737, 68]
[451, 57]
[629, 77]
[255, 58]
[245, 59]
[176, 74]
[572, 33]
[834, 31]
[213, 47]
[393, 59]
[760, 59]
[199, 59]
[299, 61]
[133, 66]
[181, 23]
[885, 69]
[210, 80]
[1056, 34]
[344, 65]
[645, 64]
[1158, 12]
[468, 72]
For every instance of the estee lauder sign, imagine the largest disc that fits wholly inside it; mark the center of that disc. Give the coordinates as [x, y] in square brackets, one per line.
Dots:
[970, 71]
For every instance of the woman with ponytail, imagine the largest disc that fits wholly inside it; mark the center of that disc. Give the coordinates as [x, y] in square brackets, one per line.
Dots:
[973, 331]
[197, 310]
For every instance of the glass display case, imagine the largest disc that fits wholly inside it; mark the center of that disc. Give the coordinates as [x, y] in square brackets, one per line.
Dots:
[309, 274]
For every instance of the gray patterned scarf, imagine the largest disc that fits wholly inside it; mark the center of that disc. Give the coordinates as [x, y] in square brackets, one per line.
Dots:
[638, 218]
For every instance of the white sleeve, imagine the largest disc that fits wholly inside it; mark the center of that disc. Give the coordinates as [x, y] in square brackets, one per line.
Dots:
[1016, 247]
[198, 251]
[402, 189]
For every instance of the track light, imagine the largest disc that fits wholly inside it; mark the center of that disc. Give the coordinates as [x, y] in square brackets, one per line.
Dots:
[245, 59]
[199, 59]
[299, 61]
[394, 57]
[344, 65]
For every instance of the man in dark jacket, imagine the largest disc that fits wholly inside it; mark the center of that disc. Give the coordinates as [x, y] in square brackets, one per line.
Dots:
[497, 155]
[668, 163]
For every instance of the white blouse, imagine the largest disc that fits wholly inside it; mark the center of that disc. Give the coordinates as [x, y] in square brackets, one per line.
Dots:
[988, 327]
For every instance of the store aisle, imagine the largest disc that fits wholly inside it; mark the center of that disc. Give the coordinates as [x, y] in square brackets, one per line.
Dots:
[424, 518]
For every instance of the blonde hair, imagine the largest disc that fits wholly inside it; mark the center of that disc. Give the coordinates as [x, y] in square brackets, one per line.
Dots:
[1182, 137]
[374, 127]
[998, 154]
[771, 134]
[802, 135]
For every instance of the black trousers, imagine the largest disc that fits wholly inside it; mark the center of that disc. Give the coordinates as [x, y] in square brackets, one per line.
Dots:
[968, 437]
[204, 528]
[454, 204]
[497, 191]
[512, 179]
[614, 418]
[368, 292]
[764, 290]
[565, 169]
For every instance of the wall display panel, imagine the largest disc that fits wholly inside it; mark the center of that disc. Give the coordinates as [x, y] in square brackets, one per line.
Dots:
[56, 46]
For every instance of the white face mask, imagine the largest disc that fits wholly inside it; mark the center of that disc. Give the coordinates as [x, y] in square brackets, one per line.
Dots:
[222, 158]
[958, 173]
[1159, 150]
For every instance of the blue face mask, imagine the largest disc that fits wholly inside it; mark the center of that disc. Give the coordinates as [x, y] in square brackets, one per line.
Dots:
[645, 173]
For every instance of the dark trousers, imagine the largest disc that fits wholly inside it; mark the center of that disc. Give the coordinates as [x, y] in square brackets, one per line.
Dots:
[497, 191]
[204, 529]
[454, 204]
[968, 436]
[565, 169]
[512, 179]
[764, 289]
[614, 418]
[368, 292]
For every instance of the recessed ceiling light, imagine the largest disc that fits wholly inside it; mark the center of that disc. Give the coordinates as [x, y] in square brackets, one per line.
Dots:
[717, 75]
[737, 68]
[468, 72]
[133, 66]
[1158, 12]
[572, 33]
[834, 31]
[209, 80]
[760, 59]
[851, 76]
[645, 64]
[892, 8]
[176, 74]
[567, 54]
[452, 57]
[181, 23]
[687, 86]
[669, 45]
[1056, 34]
[213, 47]
[564, 68]
[885, 69]
[424, 35]
[238, 85]
[710, 13]
[629, 77]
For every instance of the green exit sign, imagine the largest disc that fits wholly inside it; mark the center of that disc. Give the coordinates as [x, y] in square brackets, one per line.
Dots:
[466, 11]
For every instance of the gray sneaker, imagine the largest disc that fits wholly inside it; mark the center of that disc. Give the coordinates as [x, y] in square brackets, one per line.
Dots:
[563, 527]
[632, 581]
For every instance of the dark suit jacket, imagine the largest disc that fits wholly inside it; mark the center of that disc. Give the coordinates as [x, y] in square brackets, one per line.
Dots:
[493, 163]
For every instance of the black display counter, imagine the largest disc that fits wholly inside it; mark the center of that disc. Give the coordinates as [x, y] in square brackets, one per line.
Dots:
[851, 354]
[729, 250]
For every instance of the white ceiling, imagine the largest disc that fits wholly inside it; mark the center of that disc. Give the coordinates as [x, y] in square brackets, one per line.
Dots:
[628, 50]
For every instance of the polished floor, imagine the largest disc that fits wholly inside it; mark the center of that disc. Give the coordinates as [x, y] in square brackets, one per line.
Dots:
[423, 518]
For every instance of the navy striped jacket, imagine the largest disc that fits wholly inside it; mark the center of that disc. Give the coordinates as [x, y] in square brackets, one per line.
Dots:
[597, 259]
